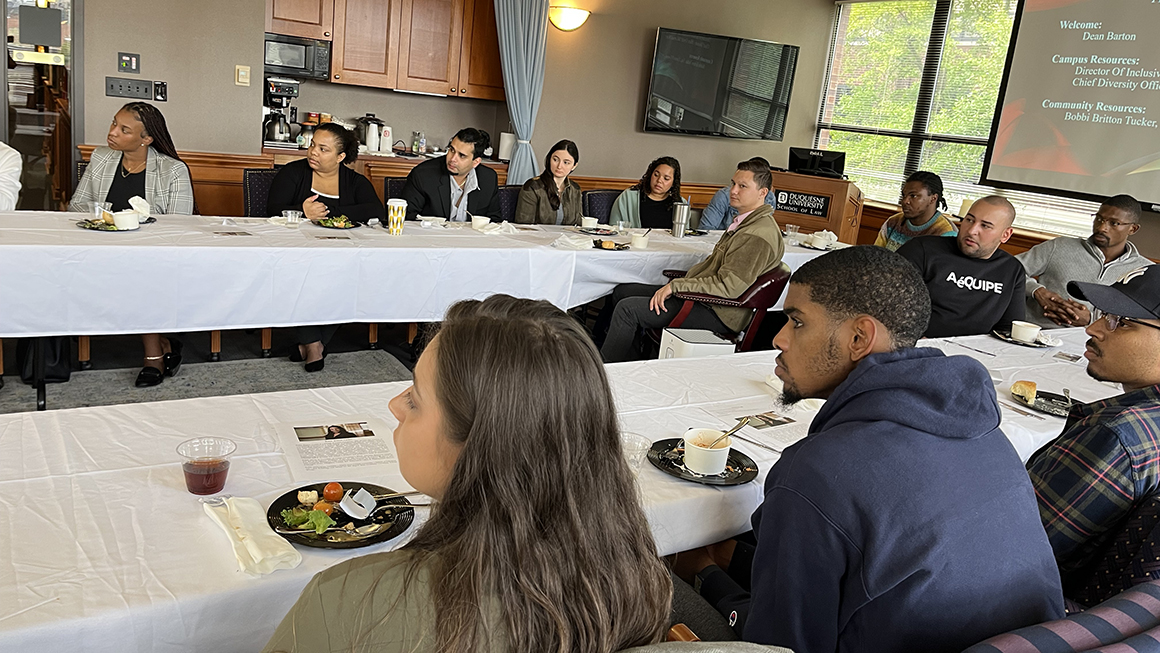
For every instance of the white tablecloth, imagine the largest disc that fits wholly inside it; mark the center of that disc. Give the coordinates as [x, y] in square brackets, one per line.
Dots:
[184, 274]
[104, 550]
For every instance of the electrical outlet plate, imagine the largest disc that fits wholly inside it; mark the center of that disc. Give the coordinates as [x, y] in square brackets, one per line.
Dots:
[141, 89]
[242, 75]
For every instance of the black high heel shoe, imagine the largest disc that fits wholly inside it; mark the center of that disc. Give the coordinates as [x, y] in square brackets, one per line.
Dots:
[172, 360]
[316, 366]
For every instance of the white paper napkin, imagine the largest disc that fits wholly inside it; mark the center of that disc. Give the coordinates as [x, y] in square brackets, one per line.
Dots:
[257, 547]
[140, 206]
[805, 404]
[567, 241]
[504, 227]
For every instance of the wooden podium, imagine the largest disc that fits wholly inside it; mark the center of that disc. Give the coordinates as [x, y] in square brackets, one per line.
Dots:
[816, 203]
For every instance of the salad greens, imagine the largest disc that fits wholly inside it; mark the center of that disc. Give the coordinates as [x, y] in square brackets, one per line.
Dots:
[307, 519]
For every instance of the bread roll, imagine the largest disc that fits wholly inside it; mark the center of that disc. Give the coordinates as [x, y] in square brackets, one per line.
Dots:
[1024, 391]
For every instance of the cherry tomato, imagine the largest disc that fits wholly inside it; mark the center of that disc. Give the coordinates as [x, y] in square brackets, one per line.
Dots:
[332, 492]
[324, 507]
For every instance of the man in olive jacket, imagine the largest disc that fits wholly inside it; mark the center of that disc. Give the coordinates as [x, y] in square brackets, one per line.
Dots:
[750, 247]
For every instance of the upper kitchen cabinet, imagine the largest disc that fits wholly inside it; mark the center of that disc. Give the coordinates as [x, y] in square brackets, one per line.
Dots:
[366, 42]
[309, 19]
[480, 72]
[429, 46]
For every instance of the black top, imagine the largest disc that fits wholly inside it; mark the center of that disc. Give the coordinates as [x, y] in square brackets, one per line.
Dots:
[428, 191]
[968, 296]
[356, 196]
[654, 214]
[125, 186]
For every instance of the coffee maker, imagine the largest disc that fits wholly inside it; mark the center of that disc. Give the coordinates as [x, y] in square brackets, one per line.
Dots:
[279, 114]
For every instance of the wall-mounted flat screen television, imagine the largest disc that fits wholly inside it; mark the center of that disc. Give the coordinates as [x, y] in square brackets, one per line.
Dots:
[723, 86]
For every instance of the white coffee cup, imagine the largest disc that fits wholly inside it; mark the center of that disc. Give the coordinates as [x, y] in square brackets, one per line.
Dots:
[699, 458]
[639, 241]
[126, 220]
[819, 239]
[1024, 331]
[479, 221]
[589, 222]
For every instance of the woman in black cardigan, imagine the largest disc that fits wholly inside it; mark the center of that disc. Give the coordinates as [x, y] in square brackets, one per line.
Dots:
[321, 186]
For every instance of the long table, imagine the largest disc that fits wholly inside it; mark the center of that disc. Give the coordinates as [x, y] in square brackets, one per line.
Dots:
[104, 550]
[191, 273]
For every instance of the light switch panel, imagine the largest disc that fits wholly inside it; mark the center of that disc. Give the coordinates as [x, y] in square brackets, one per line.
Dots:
[242, 75]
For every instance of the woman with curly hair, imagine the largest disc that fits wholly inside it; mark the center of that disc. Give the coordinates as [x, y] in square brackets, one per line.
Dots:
[649, 203]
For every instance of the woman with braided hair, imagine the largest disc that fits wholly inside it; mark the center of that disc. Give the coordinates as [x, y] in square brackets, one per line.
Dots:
[140, 161]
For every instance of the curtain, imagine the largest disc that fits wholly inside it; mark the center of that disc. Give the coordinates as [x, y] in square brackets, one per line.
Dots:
[523, 37]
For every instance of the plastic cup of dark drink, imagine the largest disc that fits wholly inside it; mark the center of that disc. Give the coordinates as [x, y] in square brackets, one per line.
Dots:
[207, 461]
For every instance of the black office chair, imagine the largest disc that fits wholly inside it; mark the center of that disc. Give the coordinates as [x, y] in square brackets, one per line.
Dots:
[509, 196]
[393, 187]
[256, 191]
[598, 203]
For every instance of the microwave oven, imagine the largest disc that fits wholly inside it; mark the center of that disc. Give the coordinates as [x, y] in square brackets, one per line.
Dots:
[291, 56]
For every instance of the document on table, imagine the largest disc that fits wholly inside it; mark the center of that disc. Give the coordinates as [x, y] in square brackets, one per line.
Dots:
[770, 425]
[350, 447]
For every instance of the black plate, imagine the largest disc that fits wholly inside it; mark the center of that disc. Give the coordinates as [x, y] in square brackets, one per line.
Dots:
[599, 244]
[90, 225]
[1048, 402]
[354, 225]
[696, 232]
[597, 231]
[666, 456]
[1005, 336]
[399, 520]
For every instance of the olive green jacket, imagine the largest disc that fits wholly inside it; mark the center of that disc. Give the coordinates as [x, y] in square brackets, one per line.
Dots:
[753, 249]
[534, 208]
[365, 604]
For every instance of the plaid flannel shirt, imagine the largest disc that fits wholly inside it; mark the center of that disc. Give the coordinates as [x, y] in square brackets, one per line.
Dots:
[1087, 481]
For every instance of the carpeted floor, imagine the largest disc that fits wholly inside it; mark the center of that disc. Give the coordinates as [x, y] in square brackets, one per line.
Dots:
[116, 362]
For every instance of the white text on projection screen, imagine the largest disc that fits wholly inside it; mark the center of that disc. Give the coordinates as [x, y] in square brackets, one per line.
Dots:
[1081, 111]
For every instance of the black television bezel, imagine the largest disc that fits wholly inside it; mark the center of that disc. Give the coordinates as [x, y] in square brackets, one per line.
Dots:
[686, 132]
[985, 180]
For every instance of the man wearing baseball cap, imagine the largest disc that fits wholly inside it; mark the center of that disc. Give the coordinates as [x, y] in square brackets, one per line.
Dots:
[1108, 457]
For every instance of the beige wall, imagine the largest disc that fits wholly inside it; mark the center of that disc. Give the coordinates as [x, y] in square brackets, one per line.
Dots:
[193, 45]
[596, 81]
[437, 117]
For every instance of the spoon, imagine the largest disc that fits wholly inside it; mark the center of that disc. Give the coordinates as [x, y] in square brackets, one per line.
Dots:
[1067, 396]
[741, 422]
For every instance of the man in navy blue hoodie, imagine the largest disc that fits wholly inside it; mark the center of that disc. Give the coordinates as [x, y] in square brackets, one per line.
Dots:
[905, 520]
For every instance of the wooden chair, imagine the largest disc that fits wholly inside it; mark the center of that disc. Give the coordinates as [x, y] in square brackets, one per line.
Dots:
[759, 297]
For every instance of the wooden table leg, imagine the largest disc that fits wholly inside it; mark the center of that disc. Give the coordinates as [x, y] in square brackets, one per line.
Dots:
[1, 363]
[267, 342]
[215, 346]
[84, 354]
[373, 336]
[412, 332]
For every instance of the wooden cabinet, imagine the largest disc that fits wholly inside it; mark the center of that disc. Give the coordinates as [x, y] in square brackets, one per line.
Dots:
[429, 46]
[480, 72]
[366, 42]
[310, 19]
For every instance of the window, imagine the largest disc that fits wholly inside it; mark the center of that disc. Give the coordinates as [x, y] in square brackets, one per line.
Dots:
[912, 85]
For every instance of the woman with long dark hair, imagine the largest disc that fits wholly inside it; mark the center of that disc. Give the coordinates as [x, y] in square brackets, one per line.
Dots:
[140, 161]
[552, 198]
[649, 203]
[323, 185]
[536, 541]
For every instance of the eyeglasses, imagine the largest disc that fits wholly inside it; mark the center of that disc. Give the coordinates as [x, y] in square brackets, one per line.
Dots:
[1114, 321]
[1114, 224]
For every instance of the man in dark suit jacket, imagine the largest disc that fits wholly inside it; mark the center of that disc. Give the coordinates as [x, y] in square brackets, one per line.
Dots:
[455, 187]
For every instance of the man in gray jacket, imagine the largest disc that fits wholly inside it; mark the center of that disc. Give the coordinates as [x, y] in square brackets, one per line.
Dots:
[1101, 258]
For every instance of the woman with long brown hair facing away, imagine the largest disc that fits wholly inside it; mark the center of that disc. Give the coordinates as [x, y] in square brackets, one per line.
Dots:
[140, 161]
[552, 198]
[536, 541]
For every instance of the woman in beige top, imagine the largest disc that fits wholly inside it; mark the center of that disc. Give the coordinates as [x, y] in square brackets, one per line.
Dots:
[536, 541]
[552, 198]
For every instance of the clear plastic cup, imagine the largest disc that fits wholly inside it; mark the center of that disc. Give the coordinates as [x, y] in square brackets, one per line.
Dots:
[292, 217]
[101, 210]
[206, 464]
[791, 233]
[635, 447]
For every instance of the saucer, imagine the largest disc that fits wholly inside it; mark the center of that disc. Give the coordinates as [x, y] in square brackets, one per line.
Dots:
[1042, 341]
[666, 456]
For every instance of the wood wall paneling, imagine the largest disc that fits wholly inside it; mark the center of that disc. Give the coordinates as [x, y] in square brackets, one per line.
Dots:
[480, 70]
[310, 19]
[429, 45]
[366, 43]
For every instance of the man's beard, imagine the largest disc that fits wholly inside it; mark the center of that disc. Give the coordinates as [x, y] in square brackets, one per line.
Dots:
[826, 363]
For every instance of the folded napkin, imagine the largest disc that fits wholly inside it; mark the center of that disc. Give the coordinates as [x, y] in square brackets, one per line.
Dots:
[504, 227]
[805, 404]
[257, 547]
[140, 206]
[567, 241]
